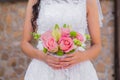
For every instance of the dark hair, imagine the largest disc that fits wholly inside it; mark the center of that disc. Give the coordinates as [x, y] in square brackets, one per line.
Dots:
[35, 13]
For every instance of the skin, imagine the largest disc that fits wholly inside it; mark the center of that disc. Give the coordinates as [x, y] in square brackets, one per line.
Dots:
[70, 59]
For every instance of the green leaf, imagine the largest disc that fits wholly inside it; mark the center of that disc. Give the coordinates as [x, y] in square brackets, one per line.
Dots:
[73, 33]
[77, 42]
[60, 53]
[72, 51]
[64, 26]
[56, 26]
[45, 50]
[87, 37]
[36, 36]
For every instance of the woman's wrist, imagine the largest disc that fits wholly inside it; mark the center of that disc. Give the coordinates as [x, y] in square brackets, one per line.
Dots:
[85, 55]
[39, 54]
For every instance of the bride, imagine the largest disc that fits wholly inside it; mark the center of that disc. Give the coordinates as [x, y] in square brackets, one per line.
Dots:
[41, 15]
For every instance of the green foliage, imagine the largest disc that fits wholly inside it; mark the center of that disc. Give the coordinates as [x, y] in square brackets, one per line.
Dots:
[45, 50]
[56, 26]
[36, 36]
[73, 33]
[71, 51]
[87, 37]
[77, 42]
[65, 26]
[60, 53]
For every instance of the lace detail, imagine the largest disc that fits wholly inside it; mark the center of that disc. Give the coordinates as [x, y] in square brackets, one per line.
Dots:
[61, 1]
[71, 12]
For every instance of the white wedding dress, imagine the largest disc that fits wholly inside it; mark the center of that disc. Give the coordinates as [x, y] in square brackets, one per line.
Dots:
[72, 12]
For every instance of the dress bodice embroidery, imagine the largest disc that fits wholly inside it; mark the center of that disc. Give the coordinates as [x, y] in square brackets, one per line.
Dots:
[72, 12]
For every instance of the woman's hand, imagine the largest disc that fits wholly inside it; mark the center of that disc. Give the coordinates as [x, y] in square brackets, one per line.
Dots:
[72, 59]
[52, 61]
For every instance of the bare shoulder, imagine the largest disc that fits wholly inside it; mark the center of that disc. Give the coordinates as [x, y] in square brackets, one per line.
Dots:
[91, 2]
[92, 5]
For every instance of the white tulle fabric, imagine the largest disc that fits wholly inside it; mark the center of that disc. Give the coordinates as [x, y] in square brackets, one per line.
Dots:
[72, 12]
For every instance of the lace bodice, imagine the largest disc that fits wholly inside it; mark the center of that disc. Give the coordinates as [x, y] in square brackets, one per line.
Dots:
[72, 12]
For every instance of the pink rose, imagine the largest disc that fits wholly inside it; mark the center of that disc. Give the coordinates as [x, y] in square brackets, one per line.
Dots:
[66, 44]
[65, 32]
[80, 37]
[49, 42]
[51, 45]
[45, 36]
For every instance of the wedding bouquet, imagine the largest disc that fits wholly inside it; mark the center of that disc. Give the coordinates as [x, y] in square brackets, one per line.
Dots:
[61, 40]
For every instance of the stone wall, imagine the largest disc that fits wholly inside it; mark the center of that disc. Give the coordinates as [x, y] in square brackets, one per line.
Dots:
[13, 63]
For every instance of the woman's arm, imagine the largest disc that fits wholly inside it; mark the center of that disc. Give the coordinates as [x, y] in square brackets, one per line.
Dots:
[28, 49]
[94, 29]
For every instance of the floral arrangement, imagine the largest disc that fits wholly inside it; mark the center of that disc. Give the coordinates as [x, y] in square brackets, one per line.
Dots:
[61, 40]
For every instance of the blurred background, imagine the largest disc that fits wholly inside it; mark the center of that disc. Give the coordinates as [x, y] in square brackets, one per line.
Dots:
[13, 62]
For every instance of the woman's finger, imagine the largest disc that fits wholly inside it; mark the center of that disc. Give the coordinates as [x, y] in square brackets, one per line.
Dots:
[68, 66]
[68, 63]
[72, 63]
[54, 58]
[52, 61]
[67, 59]
[55, 66]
